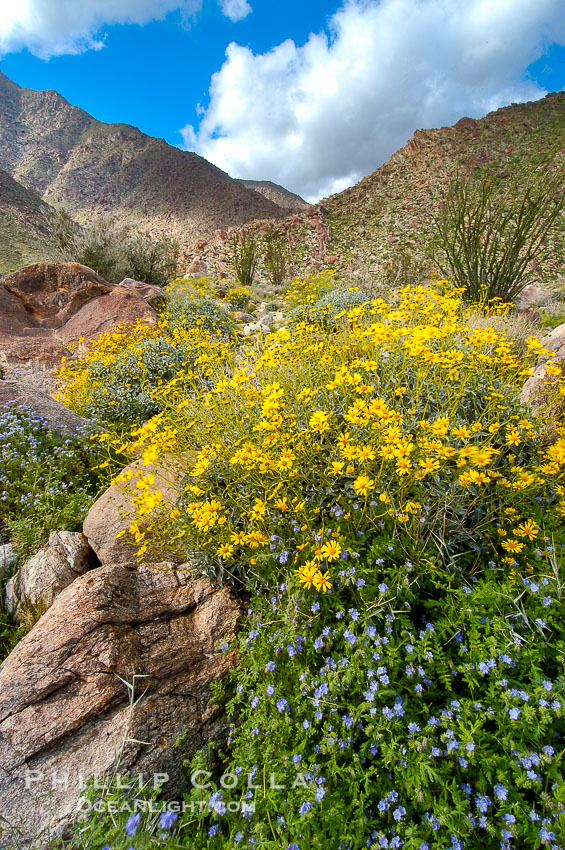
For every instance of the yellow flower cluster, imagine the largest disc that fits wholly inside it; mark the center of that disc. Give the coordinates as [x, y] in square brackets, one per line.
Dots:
[203, 353]
[308, 288]
[408, 415]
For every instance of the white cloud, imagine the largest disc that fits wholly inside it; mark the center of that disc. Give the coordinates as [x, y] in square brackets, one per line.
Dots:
[318, 117]
[235, 10]
[53, 27]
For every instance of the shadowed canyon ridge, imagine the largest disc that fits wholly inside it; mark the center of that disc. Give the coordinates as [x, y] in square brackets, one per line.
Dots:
[63, 155]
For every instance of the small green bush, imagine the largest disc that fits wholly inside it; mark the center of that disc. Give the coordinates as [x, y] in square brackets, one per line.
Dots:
[123, 391]
[553, 315]
[238, 297]
[188, 313]
[329, 308]
[10, 634]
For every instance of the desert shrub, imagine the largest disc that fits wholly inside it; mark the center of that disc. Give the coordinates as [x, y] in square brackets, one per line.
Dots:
[490, 229]
[404, 267]
[275, 259]
[10, 634]
[238, 297]
[152, 259]
[125, 390]
[47, 479]
[553, 314]
[188, 312]
[128, 372]
[272, 306]
[245, 256]
[330, 309]
[96, 246]
[404, 407]
[116, 251]
[192, 287]
[308, 289]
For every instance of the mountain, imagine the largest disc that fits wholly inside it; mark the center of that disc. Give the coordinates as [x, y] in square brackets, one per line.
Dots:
[369, 228]
[67, 157]
[278, 194]
[390, 209]
[24, 226]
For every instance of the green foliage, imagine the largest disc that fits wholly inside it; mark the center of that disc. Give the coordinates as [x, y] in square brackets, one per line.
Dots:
[123, 391]
[552, 315]
[115, 251]
[491, 228]
[188, 313]
[403, 267]
[10, 634]
[329, 309]
[395, 516]
[48, 480]
[410, 705]
[154, 260]
[275, 258]
[245, 255]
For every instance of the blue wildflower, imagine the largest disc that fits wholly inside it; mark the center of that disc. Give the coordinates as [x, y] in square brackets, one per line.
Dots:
[167, 819]
[132, 823]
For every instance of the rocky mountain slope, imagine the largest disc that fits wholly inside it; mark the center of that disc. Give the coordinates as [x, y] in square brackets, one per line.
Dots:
[24, 226]
[278, 194]
[365, 229]
[67, 157]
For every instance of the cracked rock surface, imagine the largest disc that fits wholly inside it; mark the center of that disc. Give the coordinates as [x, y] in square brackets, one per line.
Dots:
[64, 711]
[43, 576]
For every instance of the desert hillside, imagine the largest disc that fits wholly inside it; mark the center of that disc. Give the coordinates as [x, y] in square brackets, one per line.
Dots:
[69, 158]
[24, 226]
[361, 230]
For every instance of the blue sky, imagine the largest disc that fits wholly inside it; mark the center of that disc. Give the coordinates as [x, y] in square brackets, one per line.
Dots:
[153, 76]
[311, 93]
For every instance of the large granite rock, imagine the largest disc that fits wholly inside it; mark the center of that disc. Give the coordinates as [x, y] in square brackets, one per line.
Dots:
[52, 292]
[538, 387]
[103, 314]
[151, 294]
[56, 415]
[33, 588]
[47, 306]
[112, 514]
[8, 557]
[22, 339]
[65, 711]
[555, 340]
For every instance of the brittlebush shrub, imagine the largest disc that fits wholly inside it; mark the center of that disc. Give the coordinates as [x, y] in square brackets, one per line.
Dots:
[238, 297]
[331, 309]
[398, 516]
[307, 289]
[127, 371]
[187, 312]
[404, 411]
